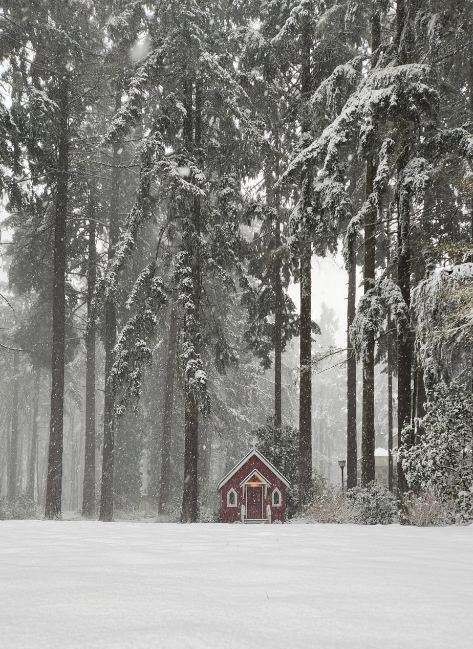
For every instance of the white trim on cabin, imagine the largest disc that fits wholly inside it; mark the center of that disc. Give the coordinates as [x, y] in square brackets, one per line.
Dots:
[261, 457]
[279, 495]
[261, 478]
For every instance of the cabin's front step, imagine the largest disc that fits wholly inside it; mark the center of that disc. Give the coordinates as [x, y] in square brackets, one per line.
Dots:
[255, 521]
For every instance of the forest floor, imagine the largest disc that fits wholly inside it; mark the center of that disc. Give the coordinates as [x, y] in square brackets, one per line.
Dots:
[90, 585]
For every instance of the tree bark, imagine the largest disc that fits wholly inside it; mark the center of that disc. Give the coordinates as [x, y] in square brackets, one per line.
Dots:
[88, 487]
[168, 406]
[204, 455]
[13, 446]
[404, 339]
[273, 201]
[390, 415]
[400, 23]
[471, 118]
[305, 339]
[471, 218]
[110, 338]
[56, 426]
[390, 365]
[278, 348]
[369, 270]
[421, 397]
[33, 455]
[190, 496]
[74, 454]
[404, 342]
[352, 450]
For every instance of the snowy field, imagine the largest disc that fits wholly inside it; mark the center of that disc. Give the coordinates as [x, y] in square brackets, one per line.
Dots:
[87, 585]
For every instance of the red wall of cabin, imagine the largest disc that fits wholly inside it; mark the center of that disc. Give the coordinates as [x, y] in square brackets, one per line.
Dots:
[233, 514]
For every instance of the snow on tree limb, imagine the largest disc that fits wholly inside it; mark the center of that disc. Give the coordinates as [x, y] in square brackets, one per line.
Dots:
[372, 310]
[395, 91]
[443, 310]
[133, 349]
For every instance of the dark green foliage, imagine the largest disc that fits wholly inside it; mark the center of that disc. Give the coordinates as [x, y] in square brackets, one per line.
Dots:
[20, 508]
[372, 505]
[280, 447]
[440, 461]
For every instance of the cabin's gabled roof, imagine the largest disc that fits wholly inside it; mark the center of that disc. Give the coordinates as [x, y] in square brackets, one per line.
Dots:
[248, 456]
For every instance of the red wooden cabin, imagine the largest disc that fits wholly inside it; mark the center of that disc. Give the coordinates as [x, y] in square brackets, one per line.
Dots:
[253, 491]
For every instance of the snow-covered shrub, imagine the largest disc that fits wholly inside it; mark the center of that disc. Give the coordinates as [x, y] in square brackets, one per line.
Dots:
[372, 505]
[19, 509]
[440, 461]
[426, 509]
[464, 506]
[208, 514]
[330, 505]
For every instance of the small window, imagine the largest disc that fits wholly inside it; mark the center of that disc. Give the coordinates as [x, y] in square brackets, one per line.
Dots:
[276, 499]
[232, 498]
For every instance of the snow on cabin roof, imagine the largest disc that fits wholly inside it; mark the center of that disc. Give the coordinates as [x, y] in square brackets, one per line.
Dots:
[261, 457]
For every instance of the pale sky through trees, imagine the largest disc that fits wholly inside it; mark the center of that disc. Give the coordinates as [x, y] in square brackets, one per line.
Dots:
[329, 279]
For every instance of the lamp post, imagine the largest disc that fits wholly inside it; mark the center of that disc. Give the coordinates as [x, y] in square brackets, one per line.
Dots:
[341, 464]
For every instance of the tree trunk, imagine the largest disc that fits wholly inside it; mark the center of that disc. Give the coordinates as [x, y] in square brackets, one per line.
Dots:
[415, 375]
[278, 317]
[56, 425]
[404, 342]
[471, 118]
[110, 338]
[33, 455]
[369, 270]
[273, 201]
[390, 365]
[399, 41]
[204, 456]
[390, 414]
[190, 496]
[168, 407]
[352, 451]
[278, 349]
[419, 400]
[404, 339]
[421, 397]
[158, 396]
[88, 487]
[305, 339]
[74, 455]
[13, 446]
[305, 360]
[471, 220]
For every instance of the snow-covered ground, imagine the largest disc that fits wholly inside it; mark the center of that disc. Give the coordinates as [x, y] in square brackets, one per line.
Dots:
[87, 585]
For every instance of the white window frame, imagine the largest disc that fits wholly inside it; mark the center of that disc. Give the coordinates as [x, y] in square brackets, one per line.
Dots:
[276, 490]
[232, 491]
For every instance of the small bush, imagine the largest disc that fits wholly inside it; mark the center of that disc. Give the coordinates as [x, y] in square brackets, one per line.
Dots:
[464, 506]
[372, 505]
[425, 509]
[20, 508]
[330, 506]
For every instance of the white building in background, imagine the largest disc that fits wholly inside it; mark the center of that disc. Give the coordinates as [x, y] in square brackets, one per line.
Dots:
[381, 464]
